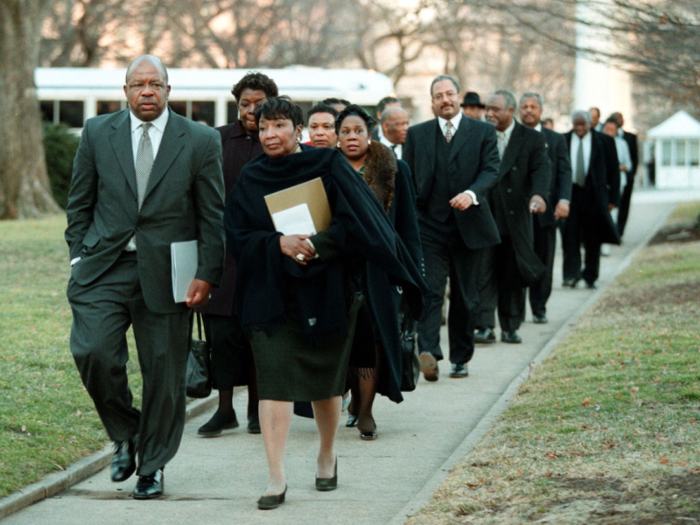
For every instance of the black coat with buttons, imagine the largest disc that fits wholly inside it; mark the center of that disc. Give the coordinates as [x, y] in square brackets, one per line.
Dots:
[524, 171]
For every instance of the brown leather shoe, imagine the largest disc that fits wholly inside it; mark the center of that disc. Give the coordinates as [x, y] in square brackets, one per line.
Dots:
[429, 367]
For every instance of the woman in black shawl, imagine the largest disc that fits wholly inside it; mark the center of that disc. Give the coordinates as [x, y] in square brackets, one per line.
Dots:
[292, 292]
[377, 329]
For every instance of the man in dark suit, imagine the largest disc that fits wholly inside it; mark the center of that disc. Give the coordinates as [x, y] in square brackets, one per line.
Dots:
[626, 197]
[558, 199]
[454, 161]
[231, 356]
[595, 192]
[143, 178]
[510, 266]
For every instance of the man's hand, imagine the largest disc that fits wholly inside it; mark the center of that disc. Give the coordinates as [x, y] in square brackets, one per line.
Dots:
[537, 204]
[462, 201]
[296, 247]
[198, 294]
[561, 211]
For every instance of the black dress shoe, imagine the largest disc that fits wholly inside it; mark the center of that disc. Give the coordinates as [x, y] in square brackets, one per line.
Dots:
[485, 336]
[429, 367]
[123, 461]
[151, 486]
[570, 283]
[459, 370]
[540, 319]
[217, 423]
[254, 424]
[511, 337]
[273, 501]
[326, 484]
[591, 286]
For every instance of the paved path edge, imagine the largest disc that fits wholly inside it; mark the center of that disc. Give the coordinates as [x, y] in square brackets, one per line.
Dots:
[54, 483]
[425, 495]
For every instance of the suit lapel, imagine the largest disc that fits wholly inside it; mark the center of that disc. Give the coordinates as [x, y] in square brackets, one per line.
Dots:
[460, 138]
[170, 146]
[121, 143]
[512, 149]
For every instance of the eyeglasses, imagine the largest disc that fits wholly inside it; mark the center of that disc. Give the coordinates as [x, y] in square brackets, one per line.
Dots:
[443, 96]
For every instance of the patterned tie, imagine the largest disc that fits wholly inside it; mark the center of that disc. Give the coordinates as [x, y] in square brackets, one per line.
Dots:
[144, 162]
[393, 149]
[580, 166]
[501, 143]
[448, 131]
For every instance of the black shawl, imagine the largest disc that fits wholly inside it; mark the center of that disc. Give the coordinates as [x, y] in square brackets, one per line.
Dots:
[359, 227]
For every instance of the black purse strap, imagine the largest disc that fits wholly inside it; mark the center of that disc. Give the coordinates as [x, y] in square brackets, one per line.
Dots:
[200, 321]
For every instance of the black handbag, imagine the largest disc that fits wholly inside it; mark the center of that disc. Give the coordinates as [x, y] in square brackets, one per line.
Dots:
[409, 351]
[198, 362]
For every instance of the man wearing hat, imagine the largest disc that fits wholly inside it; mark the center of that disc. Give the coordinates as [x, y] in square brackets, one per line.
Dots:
[472, 106]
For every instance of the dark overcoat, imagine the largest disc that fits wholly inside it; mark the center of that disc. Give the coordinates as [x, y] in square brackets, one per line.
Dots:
[602, 186]
[524, 172]
[390, 181]
[560, 182]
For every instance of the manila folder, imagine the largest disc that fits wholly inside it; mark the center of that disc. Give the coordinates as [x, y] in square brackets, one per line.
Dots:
[311, 193]
[183, 258]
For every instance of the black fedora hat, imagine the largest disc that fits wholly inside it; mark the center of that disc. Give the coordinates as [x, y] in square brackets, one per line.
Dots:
[472, 99]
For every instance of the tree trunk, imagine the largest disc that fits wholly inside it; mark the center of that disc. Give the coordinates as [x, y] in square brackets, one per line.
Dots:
[24, 184]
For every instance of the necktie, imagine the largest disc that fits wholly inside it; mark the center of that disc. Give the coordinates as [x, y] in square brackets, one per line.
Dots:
[580, 166]
[144, 162]
[448, 131]
[393, 149]
[501, 143]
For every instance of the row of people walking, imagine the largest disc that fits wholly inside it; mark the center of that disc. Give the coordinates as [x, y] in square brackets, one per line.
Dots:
[282, 310]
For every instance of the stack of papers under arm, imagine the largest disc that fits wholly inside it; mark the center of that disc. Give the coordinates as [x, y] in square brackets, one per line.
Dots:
[184, 261]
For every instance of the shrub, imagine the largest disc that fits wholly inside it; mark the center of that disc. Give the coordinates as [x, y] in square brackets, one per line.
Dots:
[60, 145]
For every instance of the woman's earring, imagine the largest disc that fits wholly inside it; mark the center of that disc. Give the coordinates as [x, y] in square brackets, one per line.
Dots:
[369, 141]
[338, 145]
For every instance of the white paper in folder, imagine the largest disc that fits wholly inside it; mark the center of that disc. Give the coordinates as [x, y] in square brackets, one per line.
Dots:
[184, 260]
[295, 220]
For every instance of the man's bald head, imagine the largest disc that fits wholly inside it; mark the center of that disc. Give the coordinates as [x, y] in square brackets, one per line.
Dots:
[394, 124]
[157, 63]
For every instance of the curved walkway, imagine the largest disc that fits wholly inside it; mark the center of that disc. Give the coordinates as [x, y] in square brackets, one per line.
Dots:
[218, 480]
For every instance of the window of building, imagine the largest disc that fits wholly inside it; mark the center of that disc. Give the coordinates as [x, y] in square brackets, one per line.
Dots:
[49, 111]
[694, 152]
[204, 112]
[71, 113]
[666, 152]
[109, 106]
[179, 107]
[680, 153]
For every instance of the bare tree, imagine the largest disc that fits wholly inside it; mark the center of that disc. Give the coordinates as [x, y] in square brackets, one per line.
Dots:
[24, 185]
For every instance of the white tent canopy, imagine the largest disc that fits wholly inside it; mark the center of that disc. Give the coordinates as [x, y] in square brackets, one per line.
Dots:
[676, 147]
[679, 125]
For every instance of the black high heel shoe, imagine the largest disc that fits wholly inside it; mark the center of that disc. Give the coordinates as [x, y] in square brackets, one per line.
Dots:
[326, 484]
[273, 501]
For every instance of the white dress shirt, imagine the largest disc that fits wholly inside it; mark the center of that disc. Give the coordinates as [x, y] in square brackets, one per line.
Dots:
[155, 132]
[455, 126]
[396, 148]
[624, 158]
[508, 132]
[573, 151]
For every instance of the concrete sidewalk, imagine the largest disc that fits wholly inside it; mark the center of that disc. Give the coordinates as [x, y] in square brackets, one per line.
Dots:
[218, 480]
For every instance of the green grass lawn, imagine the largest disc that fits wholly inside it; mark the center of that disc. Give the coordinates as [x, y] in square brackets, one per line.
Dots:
[607, 429]
[47, 420]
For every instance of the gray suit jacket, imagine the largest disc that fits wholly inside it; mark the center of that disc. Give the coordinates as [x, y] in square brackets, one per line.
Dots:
[184, 201]
[475, 150]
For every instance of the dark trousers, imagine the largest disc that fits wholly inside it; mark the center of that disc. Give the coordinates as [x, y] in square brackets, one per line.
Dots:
[578, 229]
[500, 286]
[624, 212]
[545, 245]
[445, 254]
[231, 356]
[102, 314]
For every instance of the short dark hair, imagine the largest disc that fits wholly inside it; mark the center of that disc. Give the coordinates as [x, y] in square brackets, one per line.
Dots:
[256, 81]
[440, 78]
[322, 108]
[383, 103]
[333, 100]
[613, 120]
[353, 110]
[280, 108]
